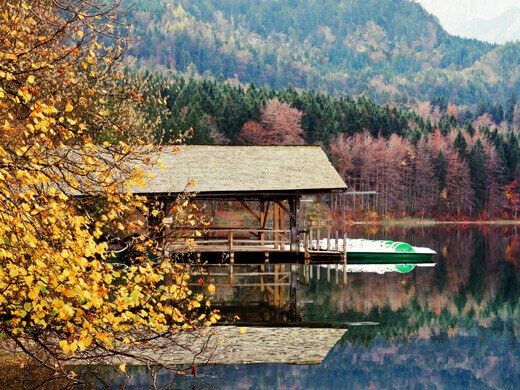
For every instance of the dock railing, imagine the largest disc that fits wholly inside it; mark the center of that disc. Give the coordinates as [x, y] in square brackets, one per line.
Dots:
[310, 240]
[235, 240]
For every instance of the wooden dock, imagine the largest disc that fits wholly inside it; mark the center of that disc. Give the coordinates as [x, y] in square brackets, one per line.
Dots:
[260, 246]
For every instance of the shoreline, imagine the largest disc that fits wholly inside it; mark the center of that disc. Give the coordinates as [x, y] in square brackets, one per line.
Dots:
[430, 222]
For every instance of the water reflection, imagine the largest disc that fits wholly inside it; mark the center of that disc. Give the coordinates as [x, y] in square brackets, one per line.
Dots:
[452, 326]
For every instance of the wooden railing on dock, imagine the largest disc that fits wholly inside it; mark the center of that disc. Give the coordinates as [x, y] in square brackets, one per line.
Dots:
[239, 239]
[230, 240]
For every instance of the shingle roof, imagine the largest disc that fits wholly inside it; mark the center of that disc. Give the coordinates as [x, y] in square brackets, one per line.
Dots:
[230, 169]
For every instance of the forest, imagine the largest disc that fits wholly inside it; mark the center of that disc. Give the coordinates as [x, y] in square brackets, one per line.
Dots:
[428, 120]
[429, 160]
[388, 50]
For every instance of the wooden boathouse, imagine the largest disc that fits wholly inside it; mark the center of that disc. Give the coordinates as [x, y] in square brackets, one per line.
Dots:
[268, 182]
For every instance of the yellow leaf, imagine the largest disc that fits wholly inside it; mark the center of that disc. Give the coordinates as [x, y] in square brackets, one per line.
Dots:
[69, 107]
[243, 330]
[30, 79]
[65, 346]
[211, 288]
[122, 367]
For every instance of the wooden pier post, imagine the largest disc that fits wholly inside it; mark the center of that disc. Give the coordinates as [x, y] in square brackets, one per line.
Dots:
[276, 288]
[230, 269]
[344, 258]
[294, 306]
[263, 219]
[276, 224]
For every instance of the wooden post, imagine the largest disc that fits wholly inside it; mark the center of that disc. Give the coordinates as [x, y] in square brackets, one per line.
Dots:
[328, 273]
[318, 246]
[282, 289]
[337, 240]
[262, 221]
[230, 240]
[281, 225]
[344, 258]
[276, 224]
[294, 307]
[293, 224]
[296, 223]
[276, 288]
[230, 267]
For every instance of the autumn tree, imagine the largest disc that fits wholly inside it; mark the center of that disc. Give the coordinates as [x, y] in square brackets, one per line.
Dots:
[512, 194]
[423, 181]
[279, 125]
[494, 177]
[73, 126]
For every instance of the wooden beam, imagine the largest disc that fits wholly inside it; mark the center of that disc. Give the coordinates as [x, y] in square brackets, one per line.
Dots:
[287, 211]
[265, 212]
[262, 221]
[281, 226]
[253, 212]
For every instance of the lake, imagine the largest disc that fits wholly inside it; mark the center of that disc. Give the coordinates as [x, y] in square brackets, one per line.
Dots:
[451, 326]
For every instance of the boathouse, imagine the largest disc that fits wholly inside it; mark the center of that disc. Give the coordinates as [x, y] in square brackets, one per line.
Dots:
[267, 181]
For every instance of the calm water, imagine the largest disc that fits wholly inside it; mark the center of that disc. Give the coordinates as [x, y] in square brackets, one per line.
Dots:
[452, 326]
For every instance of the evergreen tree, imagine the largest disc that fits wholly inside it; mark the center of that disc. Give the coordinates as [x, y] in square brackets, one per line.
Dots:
[477, 163]
[460, 145]
[469, 128]
[497, 112]
[510, 108]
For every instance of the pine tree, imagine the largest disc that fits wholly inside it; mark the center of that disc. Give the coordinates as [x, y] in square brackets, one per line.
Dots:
[460, 145]
[477, 163]
[510, 108]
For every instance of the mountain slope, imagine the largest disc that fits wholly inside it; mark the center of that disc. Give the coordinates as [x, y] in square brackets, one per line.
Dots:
[389, 49]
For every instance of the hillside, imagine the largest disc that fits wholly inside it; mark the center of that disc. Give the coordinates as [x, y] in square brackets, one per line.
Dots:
[391, 50]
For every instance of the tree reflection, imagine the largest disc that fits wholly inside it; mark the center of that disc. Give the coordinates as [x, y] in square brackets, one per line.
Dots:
[476, 281]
